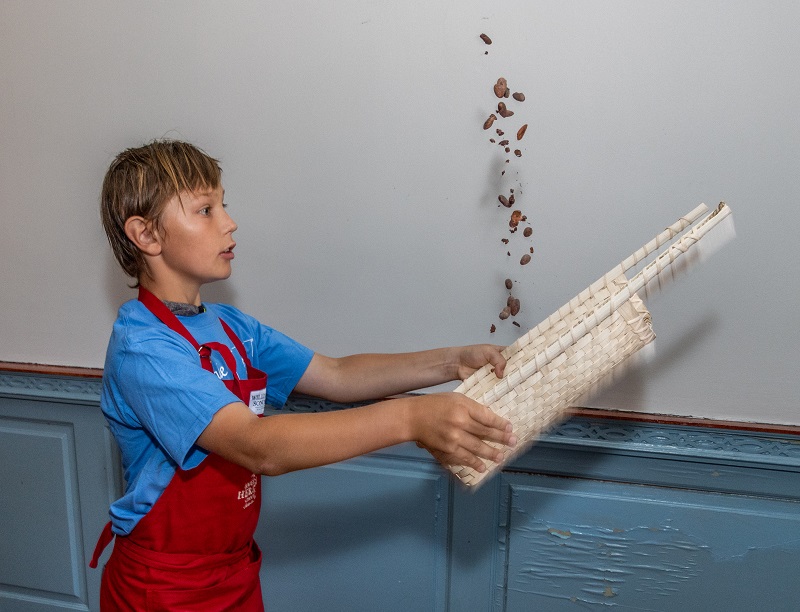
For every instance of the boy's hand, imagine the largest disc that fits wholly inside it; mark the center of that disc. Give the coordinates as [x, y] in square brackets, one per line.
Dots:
[455, 429]
[471, 358]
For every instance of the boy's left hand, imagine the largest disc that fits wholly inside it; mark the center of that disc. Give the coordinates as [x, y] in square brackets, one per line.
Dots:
[474, 357]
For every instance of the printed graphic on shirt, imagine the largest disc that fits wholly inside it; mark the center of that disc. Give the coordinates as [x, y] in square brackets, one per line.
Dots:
[248, 494]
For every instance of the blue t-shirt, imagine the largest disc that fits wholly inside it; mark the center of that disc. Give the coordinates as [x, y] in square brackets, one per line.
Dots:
[158, 399]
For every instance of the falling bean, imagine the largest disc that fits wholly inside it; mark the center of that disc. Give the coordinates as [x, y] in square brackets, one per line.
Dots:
[492, 329]
[521, 131]
[503, 111]
[509, 283]
[527, 232]
[518, 96]
[486, 39]
[517, 152]
[504, 201]
[515, 323]
[515, 306]
[501, 87]
[505, 313]
[488, 123]
[525, 259]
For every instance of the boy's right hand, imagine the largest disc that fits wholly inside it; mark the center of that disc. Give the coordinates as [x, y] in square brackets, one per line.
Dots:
[454, 429]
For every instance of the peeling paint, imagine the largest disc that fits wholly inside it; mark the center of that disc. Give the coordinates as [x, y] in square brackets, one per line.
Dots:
[602, 563]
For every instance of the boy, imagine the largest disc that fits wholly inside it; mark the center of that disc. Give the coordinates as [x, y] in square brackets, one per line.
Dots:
[185, 383]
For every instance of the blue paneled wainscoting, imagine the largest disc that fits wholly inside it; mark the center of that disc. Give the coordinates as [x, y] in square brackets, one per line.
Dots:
[610, 511]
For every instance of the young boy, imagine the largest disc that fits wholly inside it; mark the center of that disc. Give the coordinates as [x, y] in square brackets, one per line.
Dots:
[186, 381]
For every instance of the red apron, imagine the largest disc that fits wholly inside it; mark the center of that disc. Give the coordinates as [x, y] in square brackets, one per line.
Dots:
[194, 549]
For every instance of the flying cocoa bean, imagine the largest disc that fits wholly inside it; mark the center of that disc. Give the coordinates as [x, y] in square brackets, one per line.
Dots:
[527, 232]
[492, 329]
[504, 314]
[503, 111]
[500, 87]
[518, 96]
[521, 131]
[509, 283]
[525, 259]
[486, 39]
[504, 201]
[517, 152]
[515, 306]
[488, 123]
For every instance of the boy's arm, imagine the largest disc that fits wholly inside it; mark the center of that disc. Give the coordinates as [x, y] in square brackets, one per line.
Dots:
[451, 426]
[370, 376]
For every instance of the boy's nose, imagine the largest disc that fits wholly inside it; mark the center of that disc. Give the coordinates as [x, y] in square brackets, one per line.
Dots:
[230, 224]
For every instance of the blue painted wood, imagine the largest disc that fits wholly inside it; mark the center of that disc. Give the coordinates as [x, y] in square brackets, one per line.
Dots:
[572, 541]
[638, 516]
[368, 534]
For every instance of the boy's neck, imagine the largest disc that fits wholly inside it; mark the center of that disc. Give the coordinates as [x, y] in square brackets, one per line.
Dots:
[175, 294]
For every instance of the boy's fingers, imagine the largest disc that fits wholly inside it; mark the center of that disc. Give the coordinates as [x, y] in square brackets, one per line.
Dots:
[490, 421]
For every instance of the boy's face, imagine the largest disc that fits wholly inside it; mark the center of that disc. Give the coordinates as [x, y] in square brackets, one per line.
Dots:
[196, 243]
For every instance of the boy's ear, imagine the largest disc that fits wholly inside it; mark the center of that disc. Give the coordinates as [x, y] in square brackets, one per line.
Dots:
[141, 233]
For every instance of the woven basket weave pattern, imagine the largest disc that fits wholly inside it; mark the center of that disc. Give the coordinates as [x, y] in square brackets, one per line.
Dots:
[568, 354]
[535, 398]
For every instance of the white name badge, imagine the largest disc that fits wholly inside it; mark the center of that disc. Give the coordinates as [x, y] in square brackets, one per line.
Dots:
[257, 400]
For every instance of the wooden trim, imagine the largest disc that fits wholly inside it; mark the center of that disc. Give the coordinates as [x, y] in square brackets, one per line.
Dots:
[54, 370]
[587, 413]
[665, 419]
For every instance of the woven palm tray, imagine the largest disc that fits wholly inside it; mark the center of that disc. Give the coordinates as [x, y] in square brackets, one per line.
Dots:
[576, 349]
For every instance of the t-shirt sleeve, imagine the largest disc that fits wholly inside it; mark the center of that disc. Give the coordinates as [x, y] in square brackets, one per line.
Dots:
[283, 359]
[173, 397]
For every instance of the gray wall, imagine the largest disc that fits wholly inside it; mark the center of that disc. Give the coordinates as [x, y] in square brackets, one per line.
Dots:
[364, 187]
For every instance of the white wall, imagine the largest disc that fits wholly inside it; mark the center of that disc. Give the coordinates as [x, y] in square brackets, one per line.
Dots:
[364, 187]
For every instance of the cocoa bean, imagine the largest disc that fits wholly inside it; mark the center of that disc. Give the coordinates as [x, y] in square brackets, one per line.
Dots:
[492, 329]
[504, 314]
[517, 152]
[521, 131]
[509, 283]
[500, 87]
[518, 96]
[488, 123]
[511, 199]
[515, 306]
[486, 39]
[525, 259]
[515, 323]
[503, 111]
[527, 232]
[504, 201]
[503, 143]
